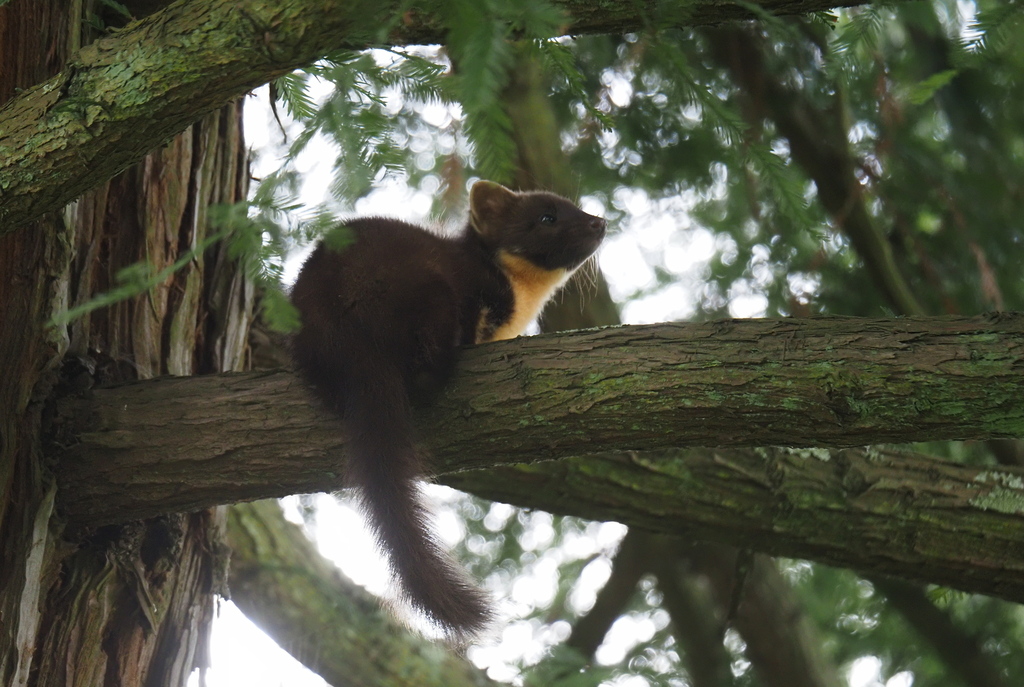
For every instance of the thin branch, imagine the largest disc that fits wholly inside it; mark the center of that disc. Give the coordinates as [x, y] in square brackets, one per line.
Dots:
[628, 567]
[695, 624]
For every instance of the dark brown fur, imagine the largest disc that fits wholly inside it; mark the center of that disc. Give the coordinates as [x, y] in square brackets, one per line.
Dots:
[383, 320]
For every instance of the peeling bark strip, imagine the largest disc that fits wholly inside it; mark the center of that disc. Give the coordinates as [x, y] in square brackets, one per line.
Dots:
[178, 444]
[123, 96]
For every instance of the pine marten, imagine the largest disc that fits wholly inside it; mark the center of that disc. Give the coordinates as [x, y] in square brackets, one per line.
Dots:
[383, 320]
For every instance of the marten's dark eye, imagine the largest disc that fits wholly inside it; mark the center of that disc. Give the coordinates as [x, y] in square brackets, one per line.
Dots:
[547, 219]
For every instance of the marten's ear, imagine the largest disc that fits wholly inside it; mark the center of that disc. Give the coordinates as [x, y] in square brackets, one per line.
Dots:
[489, 203]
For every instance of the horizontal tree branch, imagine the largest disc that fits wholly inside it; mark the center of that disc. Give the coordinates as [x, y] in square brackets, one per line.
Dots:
[174, 444]
[126, 94]
[606, 401]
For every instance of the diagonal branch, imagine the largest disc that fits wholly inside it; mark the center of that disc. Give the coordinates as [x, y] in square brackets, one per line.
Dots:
[818, 141]
[331, 625]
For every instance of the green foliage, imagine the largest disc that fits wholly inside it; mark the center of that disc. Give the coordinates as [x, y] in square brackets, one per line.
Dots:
[560, 60]
[859, 35]
[855, 620]
[922, 92]
[354, 118]
[358, 118]
[993, 30]
[293, 90]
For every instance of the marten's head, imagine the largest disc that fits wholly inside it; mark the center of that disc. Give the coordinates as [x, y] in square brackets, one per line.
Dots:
[542, 228]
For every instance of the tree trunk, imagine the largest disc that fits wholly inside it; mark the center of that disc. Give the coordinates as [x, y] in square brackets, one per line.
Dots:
[128, 604]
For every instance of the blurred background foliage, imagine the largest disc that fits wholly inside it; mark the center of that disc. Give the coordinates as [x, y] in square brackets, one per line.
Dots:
[863, 162]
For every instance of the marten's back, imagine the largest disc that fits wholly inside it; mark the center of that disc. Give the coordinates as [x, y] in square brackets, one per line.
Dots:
[394, 292]
[374, 274]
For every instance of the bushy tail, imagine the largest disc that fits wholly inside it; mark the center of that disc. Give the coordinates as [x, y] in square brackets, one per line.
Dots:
[384, 465]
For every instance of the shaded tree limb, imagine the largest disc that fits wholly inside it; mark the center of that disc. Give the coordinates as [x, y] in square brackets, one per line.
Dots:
[695, 619]
[957, 649]
[335, 628]
[126, 94]
[179, 444]
[628, 566]
[781, 641]
[869, 510]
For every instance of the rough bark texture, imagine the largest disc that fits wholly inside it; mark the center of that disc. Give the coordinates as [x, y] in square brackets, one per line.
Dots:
[147, 587]
[332, 626]
[26, 352]
[128, 604]
[180, 444]
[122, 96]
[177, 444]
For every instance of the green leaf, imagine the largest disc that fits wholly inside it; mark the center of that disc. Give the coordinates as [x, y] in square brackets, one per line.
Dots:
[922, 92]
[278, 312]
[293, 91]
